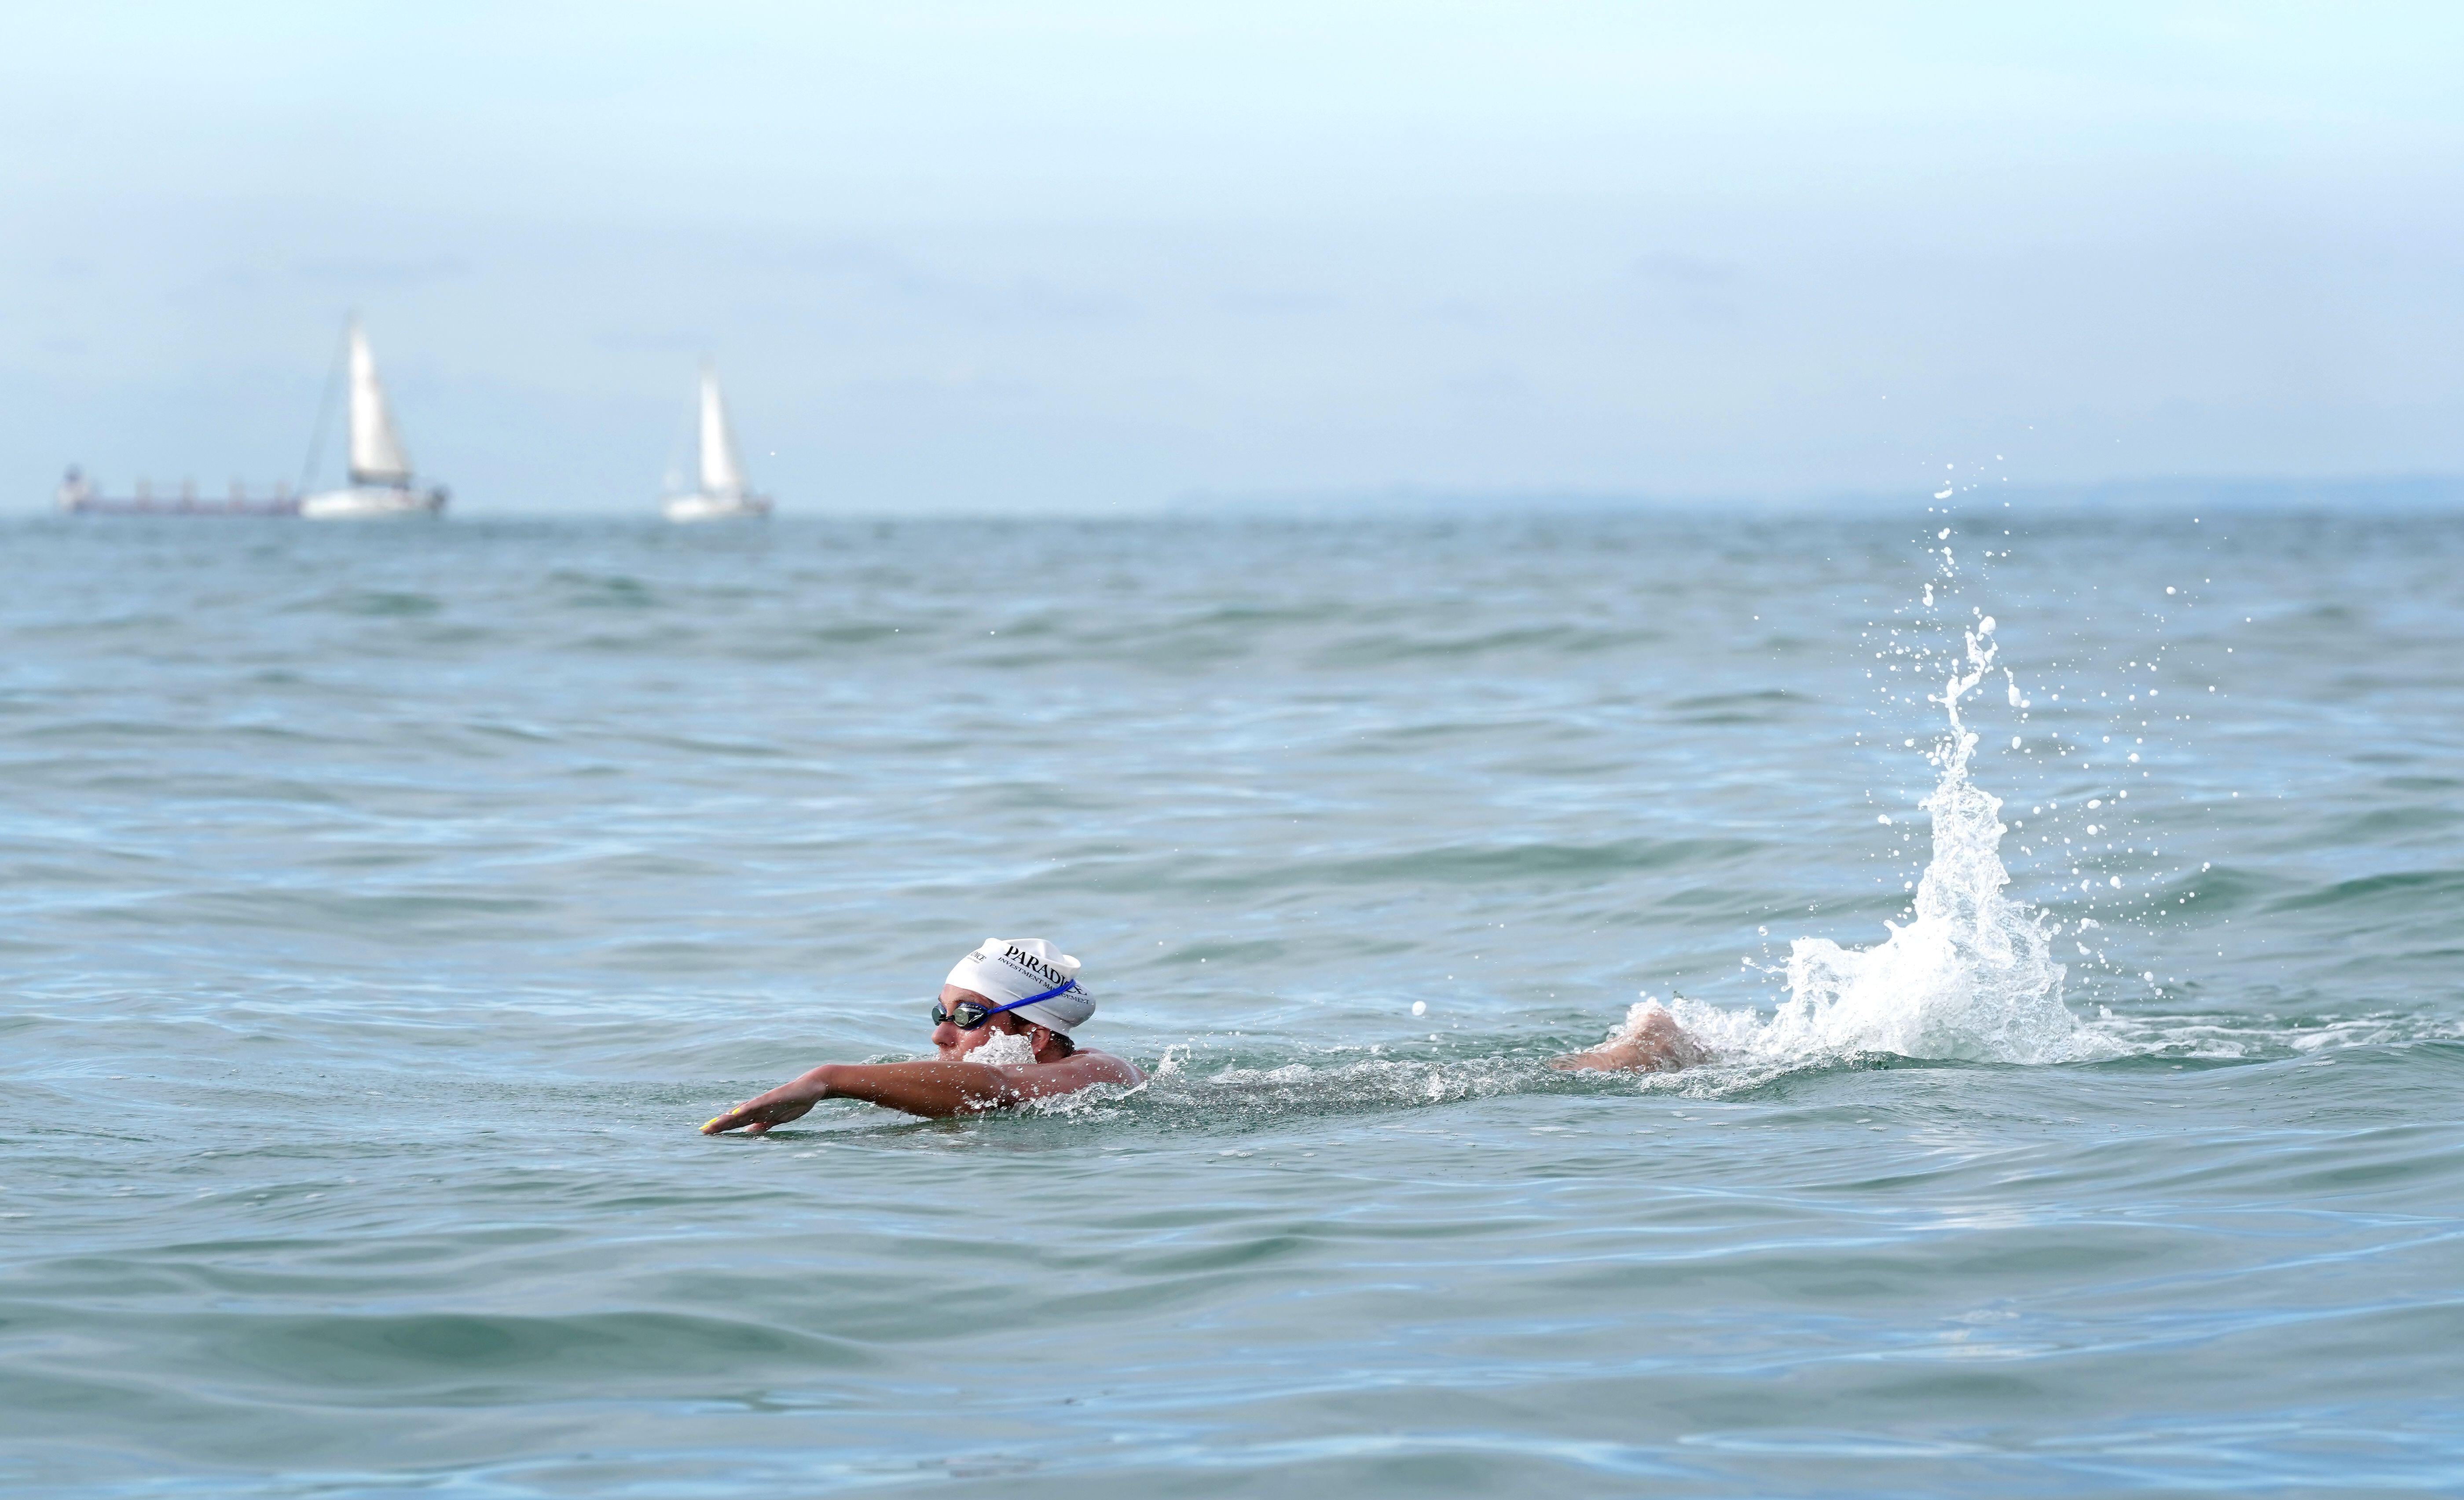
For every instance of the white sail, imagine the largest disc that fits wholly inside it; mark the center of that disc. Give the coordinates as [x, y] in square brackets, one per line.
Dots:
[377, 456]
[722, 474]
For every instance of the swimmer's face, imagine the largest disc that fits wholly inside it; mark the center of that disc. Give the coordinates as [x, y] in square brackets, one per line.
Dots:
[953, 1043]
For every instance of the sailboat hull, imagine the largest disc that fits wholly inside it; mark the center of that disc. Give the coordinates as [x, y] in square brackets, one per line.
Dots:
[372, 503]
[716, 507]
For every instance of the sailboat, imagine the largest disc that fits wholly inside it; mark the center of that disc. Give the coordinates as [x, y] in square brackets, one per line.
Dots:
[381, 477]
[723, 494]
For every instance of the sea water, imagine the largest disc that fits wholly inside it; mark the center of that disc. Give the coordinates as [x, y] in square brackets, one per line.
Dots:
[2071, 902]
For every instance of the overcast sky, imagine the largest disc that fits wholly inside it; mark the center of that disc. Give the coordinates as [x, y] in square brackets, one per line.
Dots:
[1079, 256]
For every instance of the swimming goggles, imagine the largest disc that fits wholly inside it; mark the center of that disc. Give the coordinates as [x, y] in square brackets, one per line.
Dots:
[966, 1016]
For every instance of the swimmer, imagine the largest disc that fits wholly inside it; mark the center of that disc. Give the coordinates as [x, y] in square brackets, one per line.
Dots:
[1650, 1041]
[1021, 987]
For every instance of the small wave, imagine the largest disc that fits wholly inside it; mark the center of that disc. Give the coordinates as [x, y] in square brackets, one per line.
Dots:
[2406, 893]
[1552, 640]
[610, 590]
[346, 1349]
[2235, 1036]
[1769, 705]
[1493, 862]
[379, 603]
[1254, 1093]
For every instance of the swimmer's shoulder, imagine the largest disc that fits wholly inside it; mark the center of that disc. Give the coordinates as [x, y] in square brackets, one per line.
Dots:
[1102, 1067]
[1082, 1069]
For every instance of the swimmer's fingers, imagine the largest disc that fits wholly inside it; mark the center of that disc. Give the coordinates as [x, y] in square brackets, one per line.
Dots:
[737, 1118]
[756, 1116]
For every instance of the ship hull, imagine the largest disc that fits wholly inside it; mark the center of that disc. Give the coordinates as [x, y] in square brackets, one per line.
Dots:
[372, 503]
[101, 505]
[716, 507]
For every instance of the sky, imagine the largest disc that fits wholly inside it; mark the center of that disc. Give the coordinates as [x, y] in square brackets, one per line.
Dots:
[1097, 258]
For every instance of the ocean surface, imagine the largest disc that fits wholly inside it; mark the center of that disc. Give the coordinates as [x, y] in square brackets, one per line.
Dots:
[386, 907]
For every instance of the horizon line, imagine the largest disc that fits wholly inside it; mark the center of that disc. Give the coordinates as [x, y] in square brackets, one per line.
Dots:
[2427, 489]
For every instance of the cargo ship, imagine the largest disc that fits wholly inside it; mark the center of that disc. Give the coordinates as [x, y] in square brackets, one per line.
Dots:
[80, 495]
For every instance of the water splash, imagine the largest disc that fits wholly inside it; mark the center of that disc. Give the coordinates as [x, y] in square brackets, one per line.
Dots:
[1003, 1050]
[1970, 977]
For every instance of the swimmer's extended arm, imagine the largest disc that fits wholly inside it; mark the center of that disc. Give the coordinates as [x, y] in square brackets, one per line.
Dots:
[933, 1088]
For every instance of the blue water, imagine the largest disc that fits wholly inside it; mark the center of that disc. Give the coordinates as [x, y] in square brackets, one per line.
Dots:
[386, 907]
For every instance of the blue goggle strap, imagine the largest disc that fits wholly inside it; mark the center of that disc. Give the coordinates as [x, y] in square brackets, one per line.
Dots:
[1060, 990]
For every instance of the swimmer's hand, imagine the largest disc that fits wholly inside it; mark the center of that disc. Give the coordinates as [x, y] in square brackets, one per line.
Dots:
[790, 1100]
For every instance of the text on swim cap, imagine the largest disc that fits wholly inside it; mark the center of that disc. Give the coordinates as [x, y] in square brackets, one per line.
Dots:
[1035, 965]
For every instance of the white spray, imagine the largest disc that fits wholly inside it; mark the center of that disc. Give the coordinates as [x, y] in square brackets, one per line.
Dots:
[1003, 1050]
[1970, 977]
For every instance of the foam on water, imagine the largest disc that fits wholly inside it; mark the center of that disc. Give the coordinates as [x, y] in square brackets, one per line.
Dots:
[1969, 977]
[1005, 1050]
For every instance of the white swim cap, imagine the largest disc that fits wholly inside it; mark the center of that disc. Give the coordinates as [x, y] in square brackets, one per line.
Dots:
[1004, 970]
